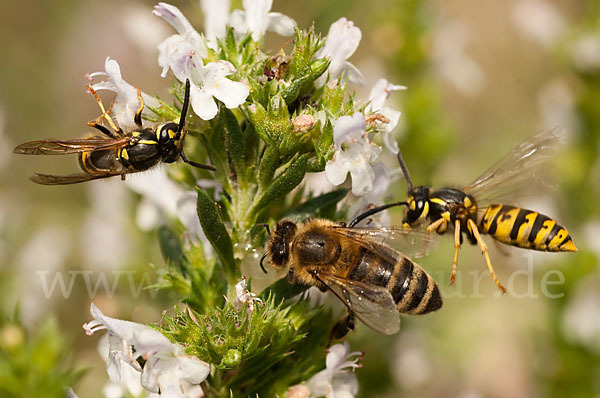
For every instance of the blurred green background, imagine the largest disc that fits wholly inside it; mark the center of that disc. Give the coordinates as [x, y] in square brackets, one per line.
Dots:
[481, 77]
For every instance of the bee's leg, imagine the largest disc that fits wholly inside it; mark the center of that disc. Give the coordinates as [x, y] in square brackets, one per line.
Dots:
[484, 249]
[430, 228]
[456, 247]
[104, 115]
[138, 115]
[342, 328]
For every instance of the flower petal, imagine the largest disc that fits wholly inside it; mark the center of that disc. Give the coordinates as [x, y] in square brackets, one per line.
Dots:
[281, 24]
[380, 93]
[216, 14]
[237, 20]
[203, 103]
[173, 16]
[337, 169]
[231, 93]
[347, 128]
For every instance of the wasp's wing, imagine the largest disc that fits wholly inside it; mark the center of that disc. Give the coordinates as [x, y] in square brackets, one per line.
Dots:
[518, 167]
[61, 147]
[411, 242]
[49, 179]
[373, 305]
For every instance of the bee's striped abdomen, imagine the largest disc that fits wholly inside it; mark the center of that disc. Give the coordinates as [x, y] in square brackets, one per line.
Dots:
[413, 290]
[525, 228]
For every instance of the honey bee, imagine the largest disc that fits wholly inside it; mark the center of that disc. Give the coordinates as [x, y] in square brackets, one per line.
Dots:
[474, 210]
[375, 281]
[117, 153]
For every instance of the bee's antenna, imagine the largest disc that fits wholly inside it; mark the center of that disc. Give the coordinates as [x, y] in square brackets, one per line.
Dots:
[184, 108]
[267, 227]
[405, 172]
[375, 210]
[261, 263]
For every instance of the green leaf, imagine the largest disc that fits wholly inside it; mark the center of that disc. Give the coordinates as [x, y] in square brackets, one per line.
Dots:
[281, 186]
[171, 248]
[315, 205]
[282, 290]
[268, 165]
[215, 231]
[234, 143]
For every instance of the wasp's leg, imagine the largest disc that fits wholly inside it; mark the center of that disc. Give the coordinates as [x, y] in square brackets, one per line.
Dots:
[484, 249]
[342, 328]
[196, 164]
[138, 114]
[456, 247]
[430, 228]
[105, 115]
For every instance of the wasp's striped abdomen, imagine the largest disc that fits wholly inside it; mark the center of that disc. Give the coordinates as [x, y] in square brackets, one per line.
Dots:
[413, 290]
[526, 228]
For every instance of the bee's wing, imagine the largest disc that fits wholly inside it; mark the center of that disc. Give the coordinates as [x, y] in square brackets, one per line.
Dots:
[49, 179]
[373, 305]
[411, 242]
[61, 147]
[518, 167]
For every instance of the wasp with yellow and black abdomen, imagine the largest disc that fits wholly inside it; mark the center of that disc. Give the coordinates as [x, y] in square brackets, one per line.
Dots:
[472, 211]
[116, 153]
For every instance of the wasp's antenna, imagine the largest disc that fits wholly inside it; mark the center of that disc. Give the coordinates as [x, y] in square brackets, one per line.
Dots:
[405, 172]
[261, 263]
[184, 108]
[375, 210]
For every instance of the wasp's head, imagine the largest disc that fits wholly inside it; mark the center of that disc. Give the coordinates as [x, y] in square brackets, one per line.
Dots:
[169, 139]
[278, 247]
[417, 205]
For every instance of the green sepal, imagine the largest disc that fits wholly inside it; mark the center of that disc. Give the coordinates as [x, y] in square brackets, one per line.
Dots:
[215, 231]
[258, 117]
[324, 143]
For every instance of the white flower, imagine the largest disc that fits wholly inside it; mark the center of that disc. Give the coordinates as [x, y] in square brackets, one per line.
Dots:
[257, 19]
[216, 16]
[183, 54]
[129, 383]
[381, 183]
[126, 101]
[167, 369]
[539, 20]
[244, 297]
[342, 41]
[175, 51]
[336, 380]
[209, 81]
[354, 153]
[379, 94]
